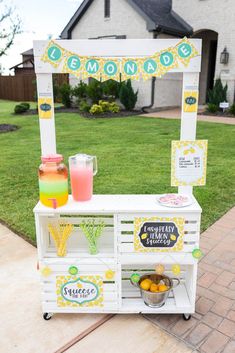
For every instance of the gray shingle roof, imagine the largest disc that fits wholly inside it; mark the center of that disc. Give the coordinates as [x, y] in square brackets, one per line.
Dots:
[158, 14]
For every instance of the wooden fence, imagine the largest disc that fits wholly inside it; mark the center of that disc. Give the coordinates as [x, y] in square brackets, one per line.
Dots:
[23, 87]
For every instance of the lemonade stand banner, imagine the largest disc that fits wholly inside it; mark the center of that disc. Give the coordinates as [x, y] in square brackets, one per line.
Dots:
[115, 68]
[188, 163]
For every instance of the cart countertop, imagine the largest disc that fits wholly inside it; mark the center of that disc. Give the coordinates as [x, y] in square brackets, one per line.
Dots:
[101, 204]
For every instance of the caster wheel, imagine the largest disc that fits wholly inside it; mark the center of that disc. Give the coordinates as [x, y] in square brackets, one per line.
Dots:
[47, 316]
[186, 317]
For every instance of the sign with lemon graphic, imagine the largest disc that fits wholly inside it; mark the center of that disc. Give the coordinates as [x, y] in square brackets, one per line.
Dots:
[84, 290]
[158, 234]
[190, 101]
[188, 163]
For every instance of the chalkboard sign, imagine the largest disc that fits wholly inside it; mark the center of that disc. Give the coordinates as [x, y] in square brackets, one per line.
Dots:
[158, 234]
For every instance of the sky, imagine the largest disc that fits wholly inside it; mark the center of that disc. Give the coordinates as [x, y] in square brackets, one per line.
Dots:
[40, 19]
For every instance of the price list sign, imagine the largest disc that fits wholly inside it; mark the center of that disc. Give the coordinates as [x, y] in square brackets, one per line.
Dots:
[188, 163]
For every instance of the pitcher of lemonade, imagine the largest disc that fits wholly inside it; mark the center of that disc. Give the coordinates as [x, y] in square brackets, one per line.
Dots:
[82, 169]
[53, 181]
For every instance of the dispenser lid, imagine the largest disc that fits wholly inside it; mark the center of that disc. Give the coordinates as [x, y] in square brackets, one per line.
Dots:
[56, 158]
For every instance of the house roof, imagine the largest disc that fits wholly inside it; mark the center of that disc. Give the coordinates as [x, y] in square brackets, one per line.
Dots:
[27, 52]
[158, 14]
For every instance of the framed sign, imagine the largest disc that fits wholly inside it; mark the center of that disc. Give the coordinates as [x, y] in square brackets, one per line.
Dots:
[81, 291]
[190, 101]
[188, 163]
[45, 108]
[158, 234]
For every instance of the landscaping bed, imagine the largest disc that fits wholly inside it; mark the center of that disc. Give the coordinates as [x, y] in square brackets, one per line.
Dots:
[8, 128]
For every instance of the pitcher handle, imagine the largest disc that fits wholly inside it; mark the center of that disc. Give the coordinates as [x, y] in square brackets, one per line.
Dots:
[177, 282]
[95, 165]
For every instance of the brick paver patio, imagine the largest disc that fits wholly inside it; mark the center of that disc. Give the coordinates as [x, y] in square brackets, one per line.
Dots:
[212, 328]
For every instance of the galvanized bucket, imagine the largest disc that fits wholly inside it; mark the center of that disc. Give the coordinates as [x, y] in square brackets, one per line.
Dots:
[158, 299]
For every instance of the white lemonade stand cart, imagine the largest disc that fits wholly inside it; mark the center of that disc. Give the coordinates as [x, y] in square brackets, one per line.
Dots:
[105, 276]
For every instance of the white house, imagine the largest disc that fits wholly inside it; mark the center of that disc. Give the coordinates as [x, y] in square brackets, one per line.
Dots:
[211, 20]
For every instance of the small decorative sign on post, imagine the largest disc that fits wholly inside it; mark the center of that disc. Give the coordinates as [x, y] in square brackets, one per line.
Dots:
[158, 234]
[84, 290]
[188, 163]
[190, 101]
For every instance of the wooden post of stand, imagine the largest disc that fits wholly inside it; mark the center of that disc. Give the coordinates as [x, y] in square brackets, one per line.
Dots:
[188, 120]
[47, 126]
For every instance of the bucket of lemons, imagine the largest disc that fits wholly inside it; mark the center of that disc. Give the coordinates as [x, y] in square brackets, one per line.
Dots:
[155, 288]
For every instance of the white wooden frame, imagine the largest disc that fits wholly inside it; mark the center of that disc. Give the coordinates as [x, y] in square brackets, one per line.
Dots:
[183, 300]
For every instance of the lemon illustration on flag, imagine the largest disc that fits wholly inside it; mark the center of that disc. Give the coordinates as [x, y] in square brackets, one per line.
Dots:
[173, 237]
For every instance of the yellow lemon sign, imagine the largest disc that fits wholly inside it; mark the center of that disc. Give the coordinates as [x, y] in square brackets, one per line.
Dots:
[190, 101]
[45, 108]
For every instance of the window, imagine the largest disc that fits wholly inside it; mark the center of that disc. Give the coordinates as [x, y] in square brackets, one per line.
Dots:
[106, 8]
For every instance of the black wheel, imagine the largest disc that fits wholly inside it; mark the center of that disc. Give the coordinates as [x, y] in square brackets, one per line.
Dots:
[47, 316]
[186, 317]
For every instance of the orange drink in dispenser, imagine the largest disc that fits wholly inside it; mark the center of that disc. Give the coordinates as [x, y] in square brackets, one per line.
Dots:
[53, 181]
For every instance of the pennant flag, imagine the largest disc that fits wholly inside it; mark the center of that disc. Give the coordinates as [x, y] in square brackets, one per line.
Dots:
[110, 70]
[92, 67]
[53, 54]
[73, 64]
[130, 69]
[149, 67]
[186, 51]
[167, 61]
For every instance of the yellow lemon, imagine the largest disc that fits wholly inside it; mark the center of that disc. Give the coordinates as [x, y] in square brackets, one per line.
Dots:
[173, 237]
[144, 236]
[162, 288]
[109, 274]
[146, 284]
[175, 269]
[154, 288]
[79, 285]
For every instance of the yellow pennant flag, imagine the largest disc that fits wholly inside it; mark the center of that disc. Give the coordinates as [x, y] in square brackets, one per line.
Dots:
[186, 51]
[110, 69]
[73, 64]
[92, 67]
[53, 54]
[130, 68]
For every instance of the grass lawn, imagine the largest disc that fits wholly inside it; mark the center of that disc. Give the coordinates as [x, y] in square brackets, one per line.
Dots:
[133, 158]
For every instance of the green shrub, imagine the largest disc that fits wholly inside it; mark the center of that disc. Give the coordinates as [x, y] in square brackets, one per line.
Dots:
[94, 91]
[114, 108]
[26, 105]
[232, 109]
[104, 105]
[66, 95]
[127, 95]
[84, 106]
[111, 88]
[212, 108]
[80, 91]
[96, 109]
[218, 94]
[19, 109]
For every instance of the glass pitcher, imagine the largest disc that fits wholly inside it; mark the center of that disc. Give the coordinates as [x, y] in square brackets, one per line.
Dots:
[82, 169]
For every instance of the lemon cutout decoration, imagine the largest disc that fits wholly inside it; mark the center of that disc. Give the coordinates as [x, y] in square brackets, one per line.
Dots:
[109, 274]
[144, 236]
[197, 254]
[176, 269]
[159, 269]
[73, 270]
[135, 277]
[173, 237]
[46, 271]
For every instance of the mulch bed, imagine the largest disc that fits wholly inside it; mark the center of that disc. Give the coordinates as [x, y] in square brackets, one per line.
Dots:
[8, 128]
[122, 113]
[218, 114]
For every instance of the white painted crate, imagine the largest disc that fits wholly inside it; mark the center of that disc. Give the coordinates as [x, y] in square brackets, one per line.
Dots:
[116, 252]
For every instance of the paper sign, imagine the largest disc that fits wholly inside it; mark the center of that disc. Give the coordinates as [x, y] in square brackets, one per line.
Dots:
[45, 108]
[158, 234]
[81, 291]
[190, 101]
[188, 163]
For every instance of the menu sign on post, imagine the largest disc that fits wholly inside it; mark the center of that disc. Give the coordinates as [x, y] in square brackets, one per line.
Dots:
[188, 163]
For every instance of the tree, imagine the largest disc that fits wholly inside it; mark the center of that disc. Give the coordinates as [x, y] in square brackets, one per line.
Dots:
[10, 25]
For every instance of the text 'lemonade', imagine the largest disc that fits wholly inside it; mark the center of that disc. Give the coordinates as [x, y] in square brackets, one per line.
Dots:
[53, 181]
